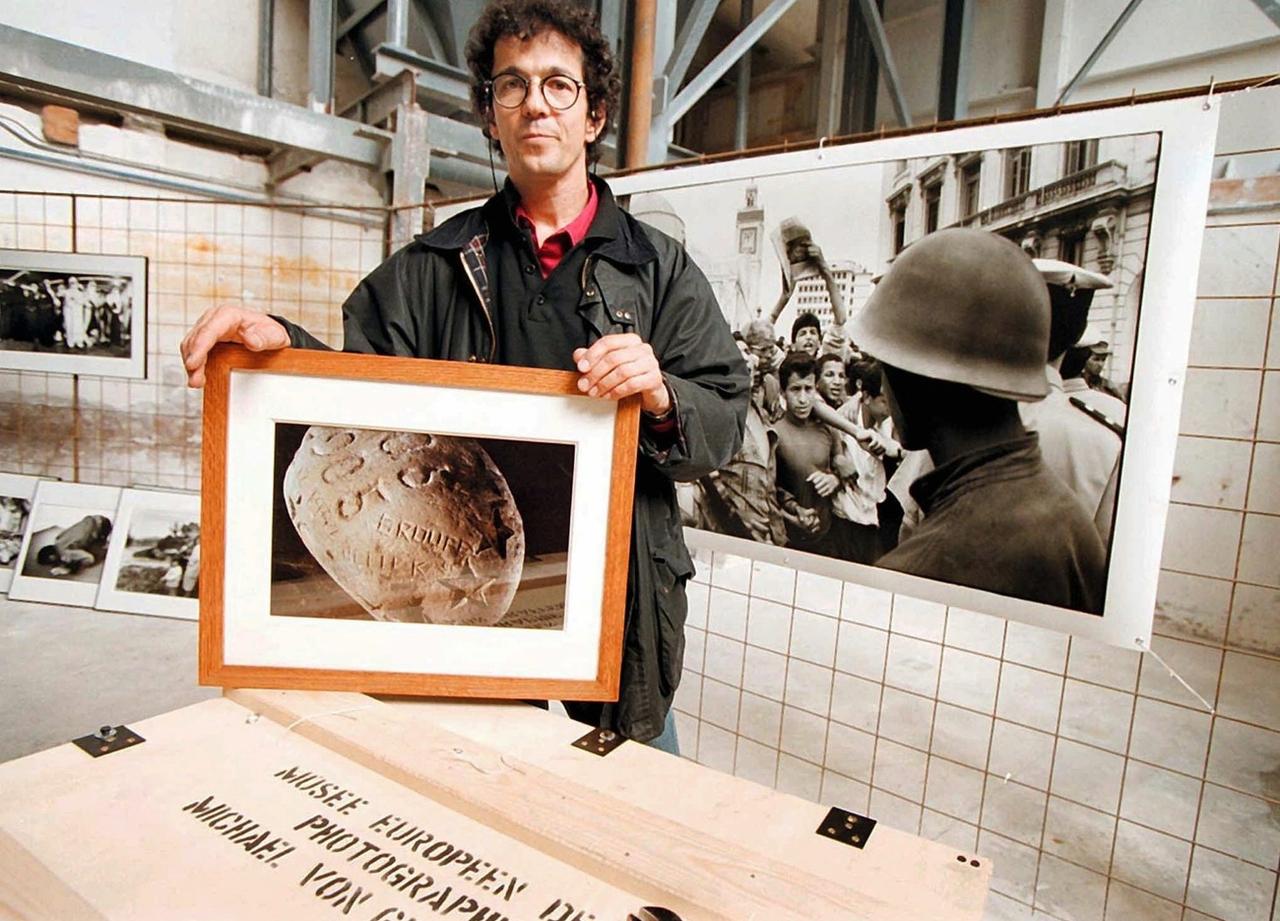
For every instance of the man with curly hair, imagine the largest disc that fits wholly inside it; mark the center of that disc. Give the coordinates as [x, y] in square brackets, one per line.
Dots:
[550, 272]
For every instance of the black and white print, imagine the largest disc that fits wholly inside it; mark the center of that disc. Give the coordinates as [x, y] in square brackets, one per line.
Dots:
[153, 561]
[65, 547]
[72, 313]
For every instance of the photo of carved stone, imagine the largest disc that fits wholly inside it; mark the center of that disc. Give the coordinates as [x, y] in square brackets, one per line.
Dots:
[409, 526]
[73, 313]
[420, 528]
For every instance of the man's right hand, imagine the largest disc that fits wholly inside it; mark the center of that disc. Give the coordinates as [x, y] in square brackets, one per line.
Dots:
[255, 331]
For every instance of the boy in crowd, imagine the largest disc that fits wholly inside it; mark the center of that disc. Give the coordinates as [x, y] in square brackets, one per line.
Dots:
[808, 453]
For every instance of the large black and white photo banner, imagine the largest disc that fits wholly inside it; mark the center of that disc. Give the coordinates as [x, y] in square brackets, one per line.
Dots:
[1054, 515]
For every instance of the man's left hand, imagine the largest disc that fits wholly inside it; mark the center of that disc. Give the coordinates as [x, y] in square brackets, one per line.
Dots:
[620, 365]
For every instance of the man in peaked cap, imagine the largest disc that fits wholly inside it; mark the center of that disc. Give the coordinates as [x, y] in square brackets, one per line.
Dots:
[1077, 446]
[1075, 383]
[961, 325]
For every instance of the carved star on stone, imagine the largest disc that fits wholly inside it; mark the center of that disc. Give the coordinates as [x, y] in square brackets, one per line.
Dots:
[467, 589]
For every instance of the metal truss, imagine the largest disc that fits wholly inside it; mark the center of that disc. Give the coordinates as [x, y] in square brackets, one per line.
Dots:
[1271, 8]
[1097, 52]
[36, 65]
[672, 100]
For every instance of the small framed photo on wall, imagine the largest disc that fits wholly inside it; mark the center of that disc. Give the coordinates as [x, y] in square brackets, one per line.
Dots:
[72, 313]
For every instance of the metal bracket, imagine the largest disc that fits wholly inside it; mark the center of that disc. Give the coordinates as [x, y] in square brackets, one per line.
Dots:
[847, 827]
[600, 741]
[108, 739]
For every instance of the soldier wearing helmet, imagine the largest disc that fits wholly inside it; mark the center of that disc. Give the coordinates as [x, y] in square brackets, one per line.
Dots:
[961, 325]
[1077, 446]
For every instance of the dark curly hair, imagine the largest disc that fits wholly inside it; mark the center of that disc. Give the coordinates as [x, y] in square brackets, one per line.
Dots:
[524, 19]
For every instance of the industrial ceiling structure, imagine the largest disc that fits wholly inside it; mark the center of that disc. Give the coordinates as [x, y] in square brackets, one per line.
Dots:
[412, 118]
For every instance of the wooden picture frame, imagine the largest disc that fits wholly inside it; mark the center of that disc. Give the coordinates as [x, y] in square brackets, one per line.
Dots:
[153, 560]
[406, 526]
[74, 313]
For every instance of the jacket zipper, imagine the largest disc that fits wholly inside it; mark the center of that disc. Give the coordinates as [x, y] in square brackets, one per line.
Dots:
[484, 306]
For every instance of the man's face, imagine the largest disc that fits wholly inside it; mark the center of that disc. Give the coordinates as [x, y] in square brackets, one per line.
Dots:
[878, 407]
[799, 395]
[807, 340]
[832, 384]
[541, 144]
[1096, 363]
[905, 435]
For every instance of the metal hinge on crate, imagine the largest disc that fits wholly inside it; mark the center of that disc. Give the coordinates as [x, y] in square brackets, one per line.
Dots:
[847, 827]
[600, 741]
[108, 739]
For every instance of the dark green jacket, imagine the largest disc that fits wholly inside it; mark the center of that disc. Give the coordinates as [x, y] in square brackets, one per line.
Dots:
[432, 300]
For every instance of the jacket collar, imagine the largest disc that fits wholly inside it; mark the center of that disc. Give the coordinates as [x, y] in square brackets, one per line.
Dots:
[621, 240]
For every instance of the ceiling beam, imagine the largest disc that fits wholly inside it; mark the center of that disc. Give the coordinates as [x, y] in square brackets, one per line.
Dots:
[720, 64]
[880, 44]
[320, 44]
[361, 15]
[38, 63]
[953, 85]
[439, 81]
[1271, 8]
[1097, 52]
[692, 30]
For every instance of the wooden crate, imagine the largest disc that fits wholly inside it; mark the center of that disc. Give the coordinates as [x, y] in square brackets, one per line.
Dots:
[268, 804]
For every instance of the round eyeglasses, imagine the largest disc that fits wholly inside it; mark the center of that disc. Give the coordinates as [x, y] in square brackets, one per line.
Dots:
[510, 90]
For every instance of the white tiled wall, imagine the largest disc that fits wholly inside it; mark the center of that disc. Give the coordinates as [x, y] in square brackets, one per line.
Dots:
[148, 432]
[1099, 786]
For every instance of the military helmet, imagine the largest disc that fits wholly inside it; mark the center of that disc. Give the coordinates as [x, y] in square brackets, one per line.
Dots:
[965, 306]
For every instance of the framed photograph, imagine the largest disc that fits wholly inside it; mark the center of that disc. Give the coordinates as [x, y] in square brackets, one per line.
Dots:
[153, 559]
[65, 546]
[16, 493]
[1117, 195]
[406, 526]
[73, 313]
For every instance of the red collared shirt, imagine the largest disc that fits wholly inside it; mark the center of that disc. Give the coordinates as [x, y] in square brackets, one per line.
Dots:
[551, 250]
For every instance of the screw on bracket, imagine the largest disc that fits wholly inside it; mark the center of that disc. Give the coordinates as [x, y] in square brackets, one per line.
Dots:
[600, 741]
[108, 739]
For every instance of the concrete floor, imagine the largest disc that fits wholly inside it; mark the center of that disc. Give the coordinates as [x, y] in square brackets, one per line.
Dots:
[66, 671]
